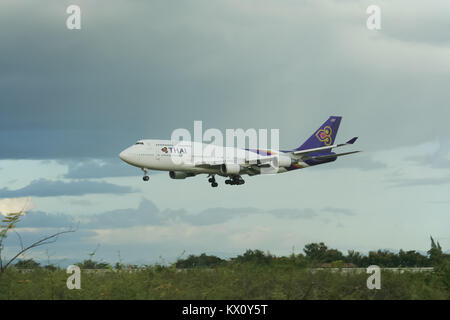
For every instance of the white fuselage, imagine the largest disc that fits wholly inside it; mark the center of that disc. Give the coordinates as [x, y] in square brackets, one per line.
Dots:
[195, 158]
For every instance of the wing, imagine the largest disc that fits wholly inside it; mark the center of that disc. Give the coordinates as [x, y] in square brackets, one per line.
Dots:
[209, 164]
[250, 167]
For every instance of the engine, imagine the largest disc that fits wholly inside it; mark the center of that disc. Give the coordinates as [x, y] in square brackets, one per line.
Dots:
[284, 161]
[230, 168]
[180, 174]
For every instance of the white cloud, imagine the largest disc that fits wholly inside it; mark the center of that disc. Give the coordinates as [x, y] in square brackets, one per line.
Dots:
[10, 205]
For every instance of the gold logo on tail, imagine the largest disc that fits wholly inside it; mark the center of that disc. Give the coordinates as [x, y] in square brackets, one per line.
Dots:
[324, 135]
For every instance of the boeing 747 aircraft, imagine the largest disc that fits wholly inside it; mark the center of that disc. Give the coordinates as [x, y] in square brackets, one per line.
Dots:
[178, 159]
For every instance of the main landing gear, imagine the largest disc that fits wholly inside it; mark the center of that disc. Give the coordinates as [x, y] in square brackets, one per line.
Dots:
[146, 177]
[212, 180]
[235, 180]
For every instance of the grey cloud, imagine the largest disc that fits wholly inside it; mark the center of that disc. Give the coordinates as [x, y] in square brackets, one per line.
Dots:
[218, 215]
[432, 181]
[81, 202]
[306, 213]
[440, 159]
[221, 215]
[98, 168]
[361, 161]
[38, 219]
[339, 211]
[433, 161]
[417, 22]
[81, 242]
[48, 188]
[148, 214]
[67, 242]
[141, 69]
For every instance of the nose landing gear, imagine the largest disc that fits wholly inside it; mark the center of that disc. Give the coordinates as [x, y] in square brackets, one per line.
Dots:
[145, 177]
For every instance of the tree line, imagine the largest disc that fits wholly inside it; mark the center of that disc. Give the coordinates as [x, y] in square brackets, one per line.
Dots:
[314, 255]
[319, 255]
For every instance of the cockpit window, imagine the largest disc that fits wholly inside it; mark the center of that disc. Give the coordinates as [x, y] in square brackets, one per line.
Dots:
[140, 142]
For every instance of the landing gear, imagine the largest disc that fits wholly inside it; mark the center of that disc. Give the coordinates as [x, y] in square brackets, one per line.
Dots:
[145, 177]
[213, 182]
[235, 180]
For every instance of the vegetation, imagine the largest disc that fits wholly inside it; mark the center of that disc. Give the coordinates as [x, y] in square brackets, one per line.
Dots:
[90, 264]
[252, 275]
[8, 225]
[319, 255]
[200, 261]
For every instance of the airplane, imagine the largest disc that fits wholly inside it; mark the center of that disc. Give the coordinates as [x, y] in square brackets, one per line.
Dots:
[160, 155]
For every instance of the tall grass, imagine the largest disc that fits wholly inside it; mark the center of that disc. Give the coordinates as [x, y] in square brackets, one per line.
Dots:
[238, 281]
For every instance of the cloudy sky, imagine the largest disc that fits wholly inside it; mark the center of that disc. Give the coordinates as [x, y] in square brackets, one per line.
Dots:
[71, 100]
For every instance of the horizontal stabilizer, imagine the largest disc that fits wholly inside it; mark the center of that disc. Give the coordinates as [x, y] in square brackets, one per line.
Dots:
[352, 140]
[305, 152]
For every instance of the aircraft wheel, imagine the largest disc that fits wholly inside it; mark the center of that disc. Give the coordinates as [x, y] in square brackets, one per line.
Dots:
[214, 184]
[145, 178]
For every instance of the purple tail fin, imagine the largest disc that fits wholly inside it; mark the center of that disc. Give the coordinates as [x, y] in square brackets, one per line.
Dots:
[324, 136]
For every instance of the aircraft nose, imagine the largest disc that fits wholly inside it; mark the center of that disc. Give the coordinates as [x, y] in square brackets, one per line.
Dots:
[129, 156]
[123, 155]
